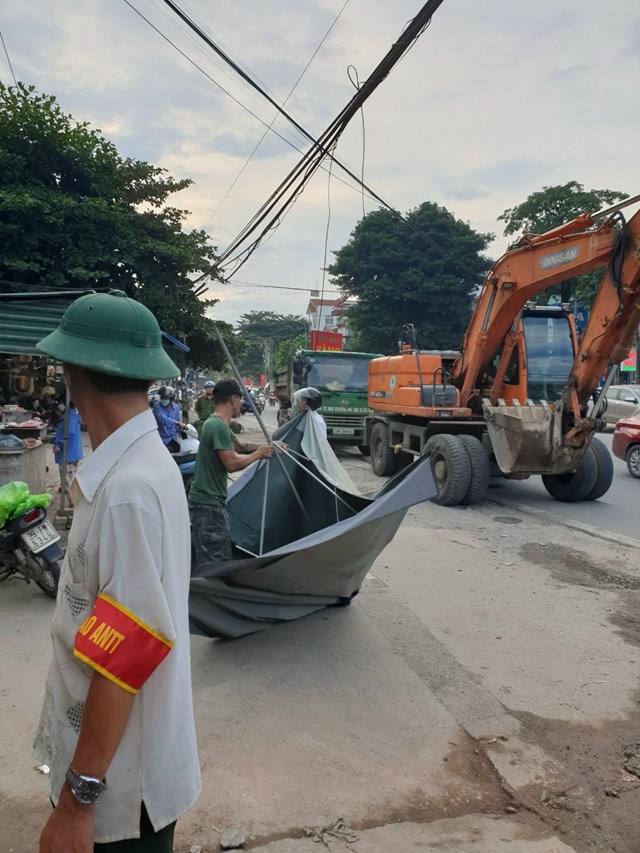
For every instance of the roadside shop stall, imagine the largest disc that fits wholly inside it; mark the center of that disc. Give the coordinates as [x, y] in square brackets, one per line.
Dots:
[30, 384]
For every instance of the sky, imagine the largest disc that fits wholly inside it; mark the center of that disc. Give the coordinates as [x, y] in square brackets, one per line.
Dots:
[496, 100]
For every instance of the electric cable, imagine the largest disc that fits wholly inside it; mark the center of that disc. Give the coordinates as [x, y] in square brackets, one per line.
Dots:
[355, 81]
[271, 211]
[326, 239]
[404, 44]
[233, 98]
[8, 60]
[293, 88]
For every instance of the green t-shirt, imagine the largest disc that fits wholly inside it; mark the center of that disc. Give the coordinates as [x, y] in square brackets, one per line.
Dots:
[209, 484]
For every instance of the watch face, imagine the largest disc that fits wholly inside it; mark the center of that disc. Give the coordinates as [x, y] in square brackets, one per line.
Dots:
[85, 789]
[88, 791]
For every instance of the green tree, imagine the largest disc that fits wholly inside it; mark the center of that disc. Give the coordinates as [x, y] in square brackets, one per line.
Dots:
[423, 270]
[287, 349]
[550, 207]
[261, 332]
[74, 214]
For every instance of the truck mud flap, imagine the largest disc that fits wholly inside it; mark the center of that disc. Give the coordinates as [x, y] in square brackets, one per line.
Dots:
[527, 439]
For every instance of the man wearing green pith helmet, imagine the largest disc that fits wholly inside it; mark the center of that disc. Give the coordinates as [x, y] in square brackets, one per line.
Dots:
[116, 727]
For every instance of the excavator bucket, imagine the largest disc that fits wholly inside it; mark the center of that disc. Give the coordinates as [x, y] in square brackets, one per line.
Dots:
[527, 439]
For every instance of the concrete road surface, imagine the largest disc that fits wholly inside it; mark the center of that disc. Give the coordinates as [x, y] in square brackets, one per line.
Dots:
[480, 694]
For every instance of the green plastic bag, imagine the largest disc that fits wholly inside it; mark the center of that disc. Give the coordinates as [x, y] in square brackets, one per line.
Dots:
[15, 500]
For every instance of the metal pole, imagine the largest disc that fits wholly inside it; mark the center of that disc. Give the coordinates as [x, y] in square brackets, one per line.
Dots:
[240, 382]
[65, 448]
[264, 509]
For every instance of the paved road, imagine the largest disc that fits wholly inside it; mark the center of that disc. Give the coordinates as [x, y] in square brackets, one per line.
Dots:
[480, 689]
[615, 513]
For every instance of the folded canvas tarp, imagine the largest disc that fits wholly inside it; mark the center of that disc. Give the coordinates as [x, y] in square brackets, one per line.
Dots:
[304, 537]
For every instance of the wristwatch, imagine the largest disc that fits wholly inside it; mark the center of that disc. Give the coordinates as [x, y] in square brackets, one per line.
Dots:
[86, 789]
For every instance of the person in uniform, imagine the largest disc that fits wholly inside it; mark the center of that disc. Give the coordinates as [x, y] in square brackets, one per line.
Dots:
[116, 727]
[204, 406]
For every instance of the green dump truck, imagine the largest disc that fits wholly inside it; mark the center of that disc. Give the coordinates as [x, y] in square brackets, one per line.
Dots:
[341, 378]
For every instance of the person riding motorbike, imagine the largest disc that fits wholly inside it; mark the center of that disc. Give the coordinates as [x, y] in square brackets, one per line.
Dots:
[310, 399]
[169, 418]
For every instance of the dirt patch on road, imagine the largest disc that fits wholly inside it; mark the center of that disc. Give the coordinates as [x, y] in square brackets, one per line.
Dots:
[601, 812]
[578, 567]
[470, 785]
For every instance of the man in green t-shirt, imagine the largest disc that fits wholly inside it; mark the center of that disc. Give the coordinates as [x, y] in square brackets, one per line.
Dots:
[217, 457]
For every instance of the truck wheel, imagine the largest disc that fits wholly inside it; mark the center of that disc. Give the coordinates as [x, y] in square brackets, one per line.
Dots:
[576, 486]
[604, 462]
[479, 484]
[451, 468]
[383, 459]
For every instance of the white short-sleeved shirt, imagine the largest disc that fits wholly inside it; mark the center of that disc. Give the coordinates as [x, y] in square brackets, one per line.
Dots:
[130, 543]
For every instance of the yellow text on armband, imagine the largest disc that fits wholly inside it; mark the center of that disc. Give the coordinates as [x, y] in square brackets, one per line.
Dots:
[104, 636]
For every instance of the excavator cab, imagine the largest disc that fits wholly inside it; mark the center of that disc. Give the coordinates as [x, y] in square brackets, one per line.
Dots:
[525, 422]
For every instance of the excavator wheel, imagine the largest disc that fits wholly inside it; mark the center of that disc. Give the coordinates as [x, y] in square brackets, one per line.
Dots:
[572, 487]
[451, 468]
[383, 460]
[605, 469]
[479, 484]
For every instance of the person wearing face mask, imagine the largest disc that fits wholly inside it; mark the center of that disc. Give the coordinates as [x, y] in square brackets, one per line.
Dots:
[169, 418]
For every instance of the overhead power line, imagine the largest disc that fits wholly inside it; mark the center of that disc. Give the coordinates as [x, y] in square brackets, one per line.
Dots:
[247, 78]
[15, 82]
[271, 212]
[270, 127]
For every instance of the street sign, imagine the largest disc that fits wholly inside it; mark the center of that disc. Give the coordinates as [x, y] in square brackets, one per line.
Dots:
[331, 341]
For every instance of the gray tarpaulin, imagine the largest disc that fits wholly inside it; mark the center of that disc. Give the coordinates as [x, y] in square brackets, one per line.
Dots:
[292, 561]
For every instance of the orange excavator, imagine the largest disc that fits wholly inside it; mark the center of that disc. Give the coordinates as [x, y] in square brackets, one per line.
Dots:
[519, 397]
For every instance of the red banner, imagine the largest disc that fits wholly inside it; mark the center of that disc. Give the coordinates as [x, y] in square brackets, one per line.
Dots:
[331, 341]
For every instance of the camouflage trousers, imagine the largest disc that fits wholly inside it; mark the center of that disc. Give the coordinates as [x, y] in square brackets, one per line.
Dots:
[210, 537]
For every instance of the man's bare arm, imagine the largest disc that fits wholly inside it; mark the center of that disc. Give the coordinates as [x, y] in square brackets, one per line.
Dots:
[70, 828]
[233, 461]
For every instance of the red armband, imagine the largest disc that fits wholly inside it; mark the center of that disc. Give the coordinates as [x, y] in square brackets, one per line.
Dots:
[119, 645]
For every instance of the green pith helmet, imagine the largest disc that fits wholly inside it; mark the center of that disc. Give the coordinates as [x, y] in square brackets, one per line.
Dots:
[113, 334]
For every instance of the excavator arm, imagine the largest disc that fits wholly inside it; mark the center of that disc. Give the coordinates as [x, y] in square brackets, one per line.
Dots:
[545, 438]
[537, 263]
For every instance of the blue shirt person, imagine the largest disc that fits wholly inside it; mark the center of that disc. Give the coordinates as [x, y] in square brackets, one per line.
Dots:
[169, 418]
[74, 446]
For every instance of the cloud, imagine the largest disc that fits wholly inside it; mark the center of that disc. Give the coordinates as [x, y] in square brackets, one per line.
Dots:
[495, 100]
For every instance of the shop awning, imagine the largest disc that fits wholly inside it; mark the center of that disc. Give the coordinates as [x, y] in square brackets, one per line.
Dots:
[25, 318]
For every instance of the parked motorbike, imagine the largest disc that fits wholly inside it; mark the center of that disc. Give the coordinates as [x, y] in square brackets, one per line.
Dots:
[29, 550]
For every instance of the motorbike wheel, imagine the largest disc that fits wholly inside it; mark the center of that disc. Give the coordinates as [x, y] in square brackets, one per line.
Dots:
[50, 575]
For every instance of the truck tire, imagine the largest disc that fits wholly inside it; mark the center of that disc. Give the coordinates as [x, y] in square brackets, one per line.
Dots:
[479, 459]
[451, 468]
[605, 469]
[383, 459]
[570, 488]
